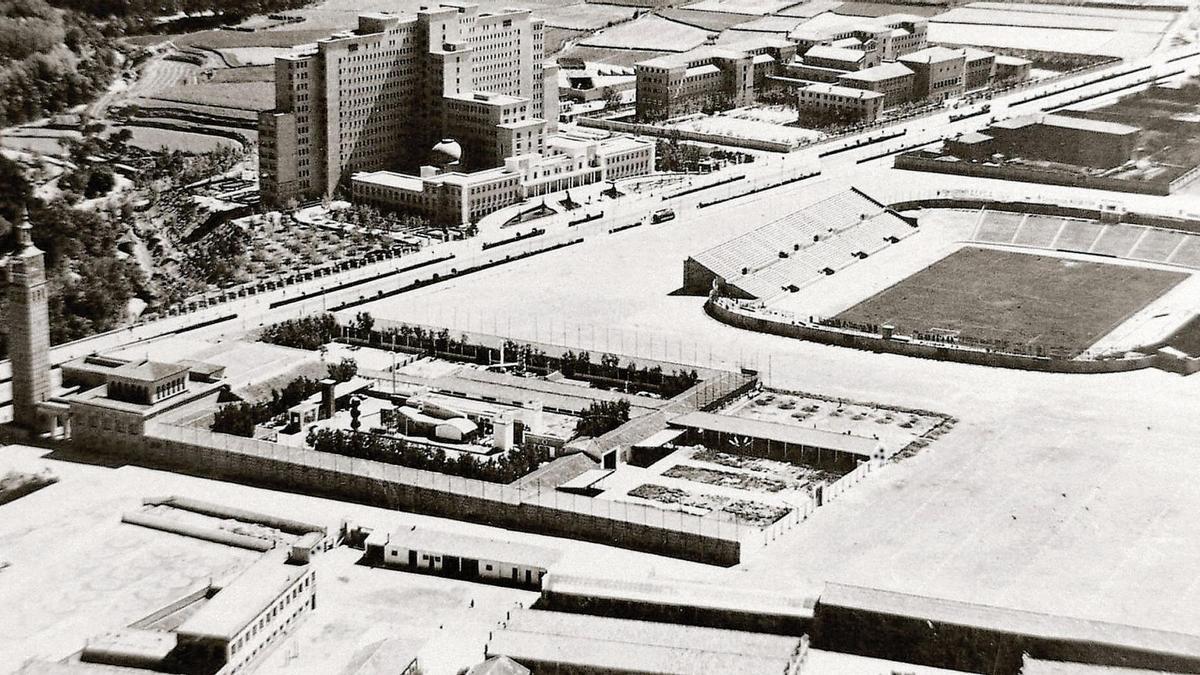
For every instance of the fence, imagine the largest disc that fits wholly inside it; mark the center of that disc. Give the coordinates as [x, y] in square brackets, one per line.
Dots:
[715, 538]
[773, 322]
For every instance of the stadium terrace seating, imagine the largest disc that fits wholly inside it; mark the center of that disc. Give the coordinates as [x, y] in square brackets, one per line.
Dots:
[1038, 231]
[1188, 253]
[1158, 245]
[825, 234]
[1118, 240]
[1078, 235]
[998, 227]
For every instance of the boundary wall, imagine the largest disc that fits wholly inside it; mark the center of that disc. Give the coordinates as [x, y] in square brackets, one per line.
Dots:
[277, 466]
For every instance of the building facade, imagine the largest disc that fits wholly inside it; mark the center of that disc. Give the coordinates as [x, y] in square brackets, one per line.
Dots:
[893, 80]
[379, 96]
[461, 198]
[831, 102]
[938, 73]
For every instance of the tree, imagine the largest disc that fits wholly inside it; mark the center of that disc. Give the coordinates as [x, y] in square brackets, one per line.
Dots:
[602, 417]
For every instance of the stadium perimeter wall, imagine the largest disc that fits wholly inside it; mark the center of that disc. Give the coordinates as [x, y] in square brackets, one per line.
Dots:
[922, 161]
[276, 466]
[981, 639]
[877, 343]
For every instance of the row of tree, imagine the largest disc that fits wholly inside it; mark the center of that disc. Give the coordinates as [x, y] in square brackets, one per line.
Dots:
[308, 332]
[506, 468]
[240, 419]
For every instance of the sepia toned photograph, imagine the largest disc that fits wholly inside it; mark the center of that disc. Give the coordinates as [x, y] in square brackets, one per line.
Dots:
[600, 337]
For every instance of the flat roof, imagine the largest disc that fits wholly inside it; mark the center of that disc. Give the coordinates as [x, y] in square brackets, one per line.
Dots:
[1083, 124]
[621, 144]
[706, 69]
[786, 433]
[236, 605]
[972, 137]
[884, 71]
[722, 597]
[604, 656]
[149, 645]
[1012, 60]
[389, 179]
[835, 53]
[1033, 666]
[932, 55]
[1012, 621]
[846, 92]
[586, 479]
[660, 438]
[615, 629]
[150, 371]
[479, 548]
[487, 97]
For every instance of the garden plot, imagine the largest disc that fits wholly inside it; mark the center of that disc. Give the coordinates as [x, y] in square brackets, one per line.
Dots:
[895, 428]
[748, 490]
[755, 7]
[649, 32]
[582, 16]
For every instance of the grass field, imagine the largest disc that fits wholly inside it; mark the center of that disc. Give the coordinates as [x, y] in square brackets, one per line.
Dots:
[1001, 296]
[237, 95]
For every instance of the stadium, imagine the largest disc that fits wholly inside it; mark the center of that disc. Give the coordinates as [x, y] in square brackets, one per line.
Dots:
[1020, 285]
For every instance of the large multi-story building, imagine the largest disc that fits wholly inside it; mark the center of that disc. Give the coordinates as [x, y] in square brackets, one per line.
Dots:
[460, 198]
[893, 80]
[833, 103]
[708, 76]
[379, 96]
[938, 73]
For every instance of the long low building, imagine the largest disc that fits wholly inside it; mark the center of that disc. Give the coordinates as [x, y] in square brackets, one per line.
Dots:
[980, 638]
[459, 555]
[554, 642]
[458, 198]
[788, 442]
[697, 604]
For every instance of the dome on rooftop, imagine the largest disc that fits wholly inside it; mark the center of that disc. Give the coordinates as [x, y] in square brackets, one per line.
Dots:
[446, 152]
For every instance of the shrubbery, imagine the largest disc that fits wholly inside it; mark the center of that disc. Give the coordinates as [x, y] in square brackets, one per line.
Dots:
[309, 332]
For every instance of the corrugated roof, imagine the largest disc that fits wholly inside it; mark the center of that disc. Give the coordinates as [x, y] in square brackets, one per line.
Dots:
[1013, 621]
[624, 657]
[786, 433]
[611, 629]
[689, 594]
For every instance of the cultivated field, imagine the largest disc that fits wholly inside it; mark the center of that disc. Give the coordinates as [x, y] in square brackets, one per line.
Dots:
[1006, 297]
[236, 95]
[581, 16]
[756, 7]
[649, 32]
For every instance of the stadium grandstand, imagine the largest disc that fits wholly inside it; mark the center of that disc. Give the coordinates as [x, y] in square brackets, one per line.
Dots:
[1114, 240]
[788, 253]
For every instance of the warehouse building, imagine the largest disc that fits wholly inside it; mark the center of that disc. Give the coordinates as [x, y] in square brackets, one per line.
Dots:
[462, 556]
[786, 442]
[1069, 140]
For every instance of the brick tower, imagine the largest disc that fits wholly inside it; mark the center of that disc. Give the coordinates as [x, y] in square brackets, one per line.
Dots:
[29, 328]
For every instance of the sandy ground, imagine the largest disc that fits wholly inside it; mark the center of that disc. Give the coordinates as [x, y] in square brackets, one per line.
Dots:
[981, 515]
[93, 573]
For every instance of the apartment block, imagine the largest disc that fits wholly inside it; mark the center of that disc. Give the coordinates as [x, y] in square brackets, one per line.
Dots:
[979, 68]
[893, 80]
[833, 102]
[381, 95]
[938, 73]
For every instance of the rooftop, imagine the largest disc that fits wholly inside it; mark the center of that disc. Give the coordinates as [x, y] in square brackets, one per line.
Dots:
[1043, 626]
[236, 605]
[932, 55]
[687, 594]
[390, 179]
[610, 629]
[785, 433]
[605, 656]
[150, 371]
[884, 71]
[835, 53]
[846, 92]
[479, 548]
[143, 645]
[1033, 666]
[487, 98]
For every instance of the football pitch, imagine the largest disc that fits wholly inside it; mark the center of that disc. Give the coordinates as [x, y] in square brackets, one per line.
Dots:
[988, 296]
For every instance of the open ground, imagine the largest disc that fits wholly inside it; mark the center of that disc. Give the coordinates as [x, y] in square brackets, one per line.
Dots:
[1020, 298]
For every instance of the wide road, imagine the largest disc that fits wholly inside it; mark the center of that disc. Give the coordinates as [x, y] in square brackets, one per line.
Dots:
[864, 166]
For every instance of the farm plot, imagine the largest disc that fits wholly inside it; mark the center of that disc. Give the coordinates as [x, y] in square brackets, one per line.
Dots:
[649, 32]
[582, 16]
[235, 95]
[755, 7]
[745, 511]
